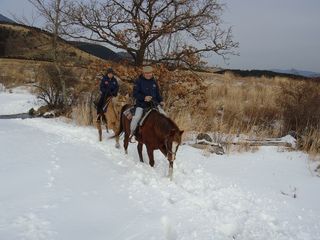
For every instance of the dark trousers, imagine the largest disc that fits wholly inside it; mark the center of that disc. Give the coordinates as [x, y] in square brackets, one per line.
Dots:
[102, 102]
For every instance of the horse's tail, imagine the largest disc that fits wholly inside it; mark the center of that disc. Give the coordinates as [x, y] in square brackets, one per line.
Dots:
[120, 131]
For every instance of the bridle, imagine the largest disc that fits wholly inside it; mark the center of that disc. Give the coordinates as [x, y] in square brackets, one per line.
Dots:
[169, 150]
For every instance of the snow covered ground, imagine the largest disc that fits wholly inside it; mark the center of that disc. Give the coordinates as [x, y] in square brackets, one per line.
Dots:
[19, 100]
[58, 182]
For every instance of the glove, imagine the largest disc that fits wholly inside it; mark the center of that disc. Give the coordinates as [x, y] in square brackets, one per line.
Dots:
[147, 98]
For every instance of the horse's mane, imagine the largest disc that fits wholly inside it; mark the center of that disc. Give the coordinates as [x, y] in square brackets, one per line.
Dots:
[165, 123]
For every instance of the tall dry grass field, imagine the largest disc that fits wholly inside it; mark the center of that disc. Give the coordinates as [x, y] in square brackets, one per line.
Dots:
[265, 107]
[244, 105]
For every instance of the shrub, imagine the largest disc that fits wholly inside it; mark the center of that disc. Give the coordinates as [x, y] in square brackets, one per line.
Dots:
[48, 86]
[299, 102]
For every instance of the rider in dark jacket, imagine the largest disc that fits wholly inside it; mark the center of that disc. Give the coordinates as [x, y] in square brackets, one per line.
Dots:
[108, 87]
[146, 87]
[145, 91]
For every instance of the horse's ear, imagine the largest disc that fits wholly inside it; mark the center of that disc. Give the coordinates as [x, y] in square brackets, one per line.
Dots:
[181, 132]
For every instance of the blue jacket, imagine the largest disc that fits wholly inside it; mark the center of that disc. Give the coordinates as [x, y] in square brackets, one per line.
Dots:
[144, 87]
[109, 86]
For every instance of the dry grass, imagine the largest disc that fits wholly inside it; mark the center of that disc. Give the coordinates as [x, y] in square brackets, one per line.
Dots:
[244, 105]
[310, 141]
[82, 113]
[263, 107]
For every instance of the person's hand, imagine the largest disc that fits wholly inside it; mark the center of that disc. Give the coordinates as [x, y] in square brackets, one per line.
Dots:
[147, 98]
[162, 104]
[106, 82]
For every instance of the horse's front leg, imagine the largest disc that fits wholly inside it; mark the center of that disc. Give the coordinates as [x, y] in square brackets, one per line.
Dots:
[126, 142]
[170, 169]
[126, 125]
[150, 155]
[139, 147]
[105, 122]
[99, 127]
[117, 142]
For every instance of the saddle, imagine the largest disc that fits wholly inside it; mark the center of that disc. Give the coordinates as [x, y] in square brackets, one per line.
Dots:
[104, 108]
[129, 113]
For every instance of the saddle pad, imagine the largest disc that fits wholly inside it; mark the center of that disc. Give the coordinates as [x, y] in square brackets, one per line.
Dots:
[128, 113]
[145, 115]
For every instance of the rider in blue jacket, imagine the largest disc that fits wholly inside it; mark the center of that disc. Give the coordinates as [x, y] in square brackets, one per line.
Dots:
[109, 88]
[145, 91]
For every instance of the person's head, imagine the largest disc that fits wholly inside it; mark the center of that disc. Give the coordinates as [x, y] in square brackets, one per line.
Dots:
[147, 72]
[110, 72]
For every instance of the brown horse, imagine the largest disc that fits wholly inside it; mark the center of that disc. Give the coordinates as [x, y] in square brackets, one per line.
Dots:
[110, 119]
[157, 132]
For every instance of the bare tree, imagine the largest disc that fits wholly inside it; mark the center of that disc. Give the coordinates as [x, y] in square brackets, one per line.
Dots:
[54, 12]
[159, 30]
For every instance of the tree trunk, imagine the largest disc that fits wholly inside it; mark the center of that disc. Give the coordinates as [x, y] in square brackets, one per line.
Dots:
[140, 56]
[55, 52]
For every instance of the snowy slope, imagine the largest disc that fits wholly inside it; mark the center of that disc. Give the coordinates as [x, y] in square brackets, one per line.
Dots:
[58, 182]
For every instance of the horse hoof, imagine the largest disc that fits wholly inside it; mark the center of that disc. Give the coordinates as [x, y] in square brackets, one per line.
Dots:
[117, 145]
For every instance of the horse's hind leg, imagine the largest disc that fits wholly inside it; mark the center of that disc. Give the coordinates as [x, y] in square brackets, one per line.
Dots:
[126, 142]
[126, 129]
[139, 147]
[150, 155]
[99, 127]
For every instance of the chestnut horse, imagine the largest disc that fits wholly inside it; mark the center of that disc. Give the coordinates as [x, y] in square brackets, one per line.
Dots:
[157, 132]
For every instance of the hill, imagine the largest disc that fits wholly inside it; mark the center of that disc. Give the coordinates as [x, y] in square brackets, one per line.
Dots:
[26, 42]
[5, 19]
[19, 41]
[298, 72]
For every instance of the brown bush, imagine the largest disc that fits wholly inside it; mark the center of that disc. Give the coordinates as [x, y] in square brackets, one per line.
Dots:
[48, 86]
[310, 141]
[300, 105]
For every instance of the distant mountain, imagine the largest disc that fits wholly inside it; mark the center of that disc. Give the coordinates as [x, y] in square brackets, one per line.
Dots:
[297, 72]
[98, 51]
[5, 19]
[259, 73]
[125, 55]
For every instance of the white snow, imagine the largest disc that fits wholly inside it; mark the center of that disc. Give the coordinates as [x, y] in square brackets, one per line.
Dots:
[58, 182]
[18, 100]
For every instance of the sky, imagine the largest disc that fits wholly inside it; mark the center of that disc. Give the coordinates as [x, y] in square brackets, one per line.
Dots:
[273, 34]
